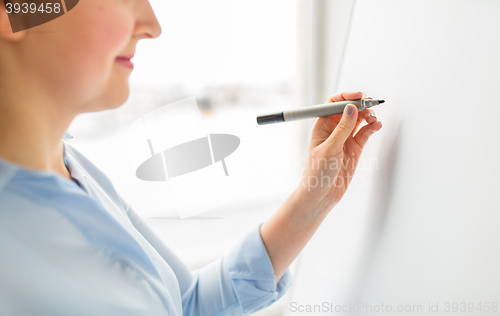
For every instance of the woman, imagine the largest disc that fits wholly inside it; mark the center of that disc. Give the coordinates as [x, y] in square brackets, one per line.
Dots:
[69, 244]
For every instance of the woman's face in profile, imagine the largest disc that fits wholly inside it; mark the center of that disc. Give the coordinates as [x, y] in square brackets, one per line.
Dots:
[81, 58]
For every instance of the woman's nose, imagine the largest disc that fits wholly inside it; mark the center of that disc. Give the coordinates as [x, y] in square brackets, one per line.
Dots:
[147, 25]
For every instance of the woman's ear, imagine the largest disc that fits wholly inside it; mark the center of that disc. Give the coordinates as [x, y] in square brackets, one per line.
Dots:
[5, 28]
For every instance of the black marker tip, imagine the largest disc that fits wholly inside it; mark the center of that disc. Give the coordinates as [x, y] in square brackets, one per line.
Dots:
[381, 101]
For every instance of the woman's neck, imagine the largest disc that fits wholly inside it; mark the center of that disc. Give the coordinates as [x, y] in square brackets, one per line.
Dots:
[31, 136]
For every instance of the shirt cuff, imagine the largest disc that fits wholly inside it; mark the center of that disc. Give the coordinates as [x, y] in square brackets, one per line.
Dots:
[252, 274]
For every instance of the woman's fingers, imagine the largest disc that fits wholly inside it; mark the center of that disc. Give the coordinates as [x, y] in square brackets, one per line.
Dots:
[321, 130]
[344, 96]
[338, 128]
[367, 116]
[344, 128]
[365, 132]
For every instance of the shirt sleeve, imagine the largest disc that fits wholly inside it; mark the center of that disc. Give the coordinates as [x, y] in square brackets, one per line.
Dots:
[240, 283]
[252, 274]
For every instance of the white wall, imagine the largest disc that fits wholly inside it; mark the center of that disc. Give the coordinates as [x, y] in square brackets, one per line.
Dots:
[424, 228]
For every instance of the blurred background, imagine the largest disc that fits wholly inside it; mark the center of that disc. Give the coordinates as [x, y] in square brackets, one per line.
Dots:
[419, 223]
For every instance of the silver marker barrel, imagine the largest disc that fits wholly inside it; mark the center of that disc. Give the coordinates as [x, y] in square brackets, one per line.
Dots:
[316, 111]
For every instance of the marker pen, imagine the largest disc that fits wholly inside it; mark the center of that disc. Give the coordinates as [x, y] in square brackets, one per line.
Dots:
[316, 111]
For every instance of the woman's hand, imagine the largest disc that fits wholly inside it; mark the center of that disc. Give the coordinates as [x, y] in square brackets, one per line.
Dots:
[334, 151]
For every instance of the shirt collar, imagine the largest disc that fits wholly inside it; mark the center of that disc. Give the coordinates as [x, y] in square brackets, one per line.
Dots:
[88, 185]
[77, 173]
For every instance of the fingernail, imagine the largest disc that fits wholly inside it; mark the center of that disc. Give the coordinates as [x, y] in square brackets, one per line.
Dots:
[349, 110]
[371, 114]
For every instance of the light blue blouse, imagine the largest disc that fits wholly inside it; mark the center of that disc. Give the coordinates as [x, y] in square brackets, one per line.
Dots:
[77, 248]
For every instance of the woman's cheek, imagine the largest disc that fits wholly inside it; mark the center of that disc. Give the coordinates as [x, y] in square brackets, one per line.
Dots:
[107, 35]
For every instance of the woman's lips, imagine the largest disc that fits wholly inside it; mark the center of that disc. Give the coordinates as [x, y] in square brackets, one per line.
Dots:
[125, 61]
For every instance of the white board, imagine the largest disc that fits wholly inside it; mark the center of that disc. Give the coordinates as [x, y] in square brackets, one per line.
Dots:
[437, 65]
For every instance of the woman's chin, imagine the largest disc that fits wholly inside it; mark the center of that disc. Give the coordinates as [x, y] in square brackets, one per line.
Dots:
[118, 100]
[118, 91]
[113, 99]
[114, 93]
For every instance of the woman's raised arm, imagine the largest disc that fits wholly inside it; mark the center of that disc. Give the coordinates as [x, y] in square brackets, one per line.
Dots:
[334, 150]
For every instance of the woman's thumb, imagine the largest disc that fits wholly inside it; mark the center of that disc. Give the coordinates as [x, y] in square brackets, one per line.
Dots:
[344, 128]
